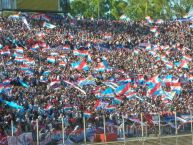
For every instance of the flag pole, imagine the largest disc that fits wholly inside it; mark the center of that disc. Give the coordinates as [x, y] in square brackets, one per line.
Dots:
[104, 128]
[37, 129]
[159, 125]
[191, 120]
[62, 129]
[176, 123]
[11, 127]
[123, 128]
[84, 129]
[142, 125]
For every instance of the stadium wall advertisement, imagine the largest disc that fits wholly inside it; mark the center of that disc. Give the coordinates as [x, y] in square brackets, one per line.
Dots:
[50, 5]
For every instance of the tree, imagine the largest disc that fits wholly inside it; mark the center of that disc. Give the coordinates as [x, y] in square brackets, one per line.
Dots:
[140, 9]
[182, 7]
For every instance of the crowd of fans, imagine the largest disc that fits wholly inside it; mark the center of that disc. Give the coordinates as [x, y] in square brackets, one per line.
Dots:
[129, 52]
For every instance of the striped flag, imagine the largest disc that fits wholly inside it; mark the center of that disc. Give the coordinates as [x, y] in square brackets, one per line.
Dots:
[136, 120]
[14, 16]
[153, 29]
[68, 108]
[54, 82]
[35, 47]
[118, 100]
[5, 52]
[87, 114]
[1, 87]
[130, 95]
[1, 46]
[19, 50]
[184, 64]
[187, 57]
[155, 90]
[66, 47]
[48, 107]
[110, 108]
[62, 64]
[190, 78]
[80, 52]
[80, 65]
[176, 87]
[122, 89]
[48, 25]
[51, 59]
[100, 67]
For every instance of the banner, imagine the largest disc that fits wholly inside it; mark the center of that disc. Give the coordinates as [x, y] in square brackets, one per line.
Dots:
[23, 139]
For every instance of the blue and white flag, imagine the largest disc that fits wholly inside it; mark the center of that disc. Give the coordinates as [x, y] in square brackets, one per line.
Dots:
[48, 25]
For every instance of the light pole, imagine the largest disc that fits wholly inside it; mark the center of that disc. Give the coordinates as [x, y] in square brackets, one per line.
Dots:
[98, 9]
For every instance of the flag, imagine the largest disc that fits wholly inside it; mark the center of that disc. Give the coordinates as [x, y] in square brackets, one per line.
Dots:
[66, 47]
[149, 20]
[80, 52]
[35, 47]
[75, 87]
[24, 84]
[140, 78]
[169, 65]
[190, 78]
[100, 67]
[130, 95]
[67, 108]
[7, 88]
[14, 16]
[99, 104]
[176, 87]
[44, 17]
[19, 50]
[183, 64]
[1, 87]
[48, 25]
[62, 64]
[110, 108]
[54, 82]
[48, 107]
[87, 114]
[159, 21]
[109, 93]
[187, 57]
[29, 61]
[5, 52]
[155, 90]
[80, 65]
[1, 46]
[51, 59]
[86, 81]
[118, 100]
[24, 67]
[13, 105]
[153, 29]
[25, 22]
[136, 120]
[122, 89]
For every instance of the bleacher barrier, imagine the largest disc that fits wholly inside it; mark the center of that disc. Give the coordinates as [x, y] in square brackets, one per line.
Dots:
[101, 129]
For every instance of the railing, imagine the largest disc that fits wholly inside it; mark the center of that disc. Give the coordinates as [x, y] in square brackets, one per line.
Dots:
[102, 129]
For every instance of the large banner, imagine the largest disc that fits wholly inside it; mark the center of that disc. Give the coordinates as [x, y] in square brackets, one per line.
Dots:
[47, 5]
[23, 139]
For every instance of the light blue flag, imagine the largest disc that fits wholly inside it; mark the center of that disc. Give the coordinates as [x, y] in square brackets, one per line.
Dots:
[13, 105]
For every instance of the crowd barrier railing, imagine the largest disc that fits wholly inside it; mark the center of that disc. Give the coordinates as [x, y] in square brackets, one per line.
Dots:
[102, 129]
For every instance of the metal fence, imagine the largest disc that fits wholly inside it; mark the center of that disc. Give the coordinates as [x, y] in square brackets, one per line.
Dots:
[102, 129]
